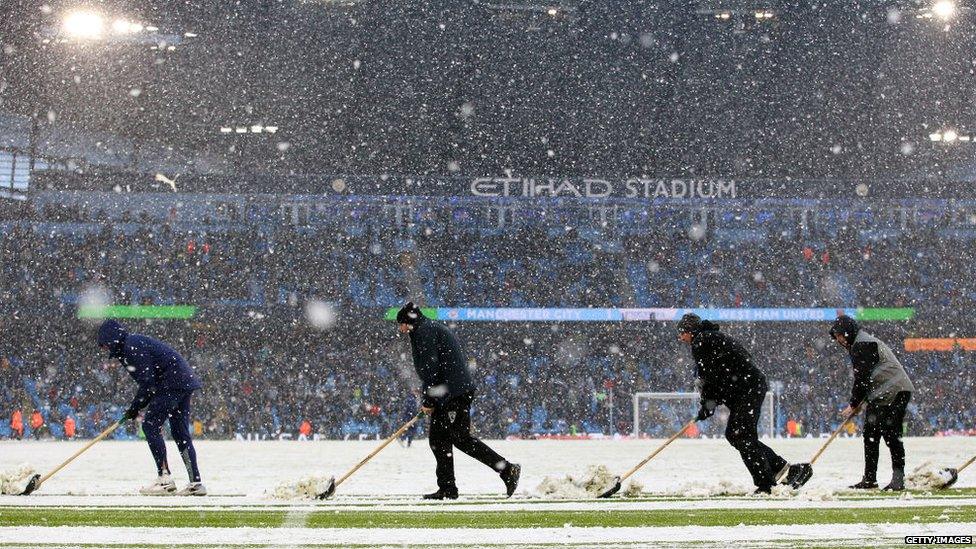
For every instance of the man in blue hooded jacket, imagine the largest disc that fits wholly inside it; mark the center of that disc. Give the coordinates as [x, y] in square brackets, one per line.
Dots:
[166, 384]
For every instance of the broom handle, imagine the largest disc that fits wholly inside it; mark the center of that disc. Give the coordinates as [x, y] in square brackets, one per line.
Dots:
[656, 452]
[84, 448]
[967, 464]
[834, 435]
[386, 442]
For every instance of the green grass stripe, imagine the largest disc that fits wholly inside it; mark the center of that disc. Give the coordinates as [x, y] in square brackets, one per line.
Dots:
[478, 519]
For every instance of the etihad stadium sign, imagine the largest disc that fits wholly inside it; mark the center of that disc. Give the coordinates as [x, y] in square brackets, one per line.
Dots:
[533, 187]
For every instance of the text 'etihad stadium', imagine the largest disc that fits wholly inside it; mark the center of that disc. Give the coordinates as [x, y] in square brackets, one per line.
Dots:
[602, 188]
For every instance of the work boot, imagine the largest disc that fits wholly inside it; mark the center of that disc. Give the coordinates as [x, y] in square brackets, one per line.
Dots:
[441, 493]
[510, 476]
[162, 486]
[865, 484]
[763, 491]
[897, 483]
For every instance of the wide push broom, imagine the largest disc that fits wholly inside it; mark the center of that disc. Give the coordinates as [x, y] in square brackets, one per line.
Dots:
[334, 483]
[36, 481]
[618, 481]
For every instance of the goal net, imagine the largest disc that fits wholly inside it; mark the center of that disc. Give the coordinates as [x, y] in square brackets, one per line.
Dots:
[660, 415]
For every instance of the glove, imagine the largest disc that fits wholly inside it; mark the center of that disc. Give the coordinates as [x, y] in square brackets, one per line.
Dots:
[704, 413]
[131, 413]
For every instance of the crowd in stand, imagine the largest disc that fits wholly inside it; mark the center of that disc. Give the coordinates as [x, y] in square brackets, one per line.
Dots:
[267, 369]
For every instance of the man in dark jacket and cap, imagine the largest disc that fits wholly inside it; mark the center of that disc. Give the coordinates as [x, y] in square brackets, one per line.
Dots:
[447, 393]
[166, 384]
[726, 375]
[880, 381]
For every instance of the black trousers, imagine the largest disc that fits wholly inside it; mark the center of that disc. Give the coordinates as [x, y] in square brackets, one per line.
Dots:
[884, 421]
[450, 427]
[742, 433]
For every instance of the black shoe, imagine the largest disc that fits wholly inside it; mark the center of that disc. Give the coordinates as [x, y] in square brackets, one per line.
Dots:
[897, 483]
[763, 490]
[510, 476]
[864, 485]
[442, 494]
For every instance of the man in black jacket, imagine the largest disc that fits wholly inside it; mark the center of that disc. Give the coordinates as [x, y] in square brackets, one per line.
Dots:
[881, 381]
[726, 375]
[447, 392]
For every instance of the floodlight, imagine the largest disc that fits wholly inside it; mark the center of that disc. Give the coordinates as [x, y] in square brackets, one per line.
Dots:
[84, 25]
[944, 9]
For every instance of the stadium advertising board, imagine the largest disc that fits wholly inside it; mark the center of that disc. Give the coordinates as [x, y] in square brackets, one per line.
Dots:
[476, 314]
[943, 344]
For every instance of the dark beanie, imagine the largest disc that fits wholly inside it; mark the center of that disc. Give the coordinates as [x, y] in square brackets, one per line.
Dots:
[689, 323]
[409, 314]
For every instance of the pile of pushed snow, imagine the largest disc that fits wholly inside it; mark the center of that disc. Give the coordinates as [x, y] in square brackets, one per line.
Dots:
[927, 477]
[598, 479]
[305, 488]
[634, 489]
[14, 481]
[700, 489]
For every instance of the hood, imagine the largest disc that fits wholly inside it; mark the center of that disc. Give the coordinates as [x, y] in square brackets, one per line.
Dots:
[847, 326]
[708, 326]
[112, 335]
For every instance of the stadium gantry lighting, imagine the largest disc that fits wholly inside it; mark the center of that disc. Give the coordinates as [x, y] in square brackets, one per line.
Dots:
[949, 136]
[83, 24]
[225, 129]
[936, 136]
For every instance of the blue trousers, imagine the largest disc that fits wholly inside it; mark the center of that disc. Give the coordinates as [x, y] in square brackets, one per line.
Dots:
[174, 407]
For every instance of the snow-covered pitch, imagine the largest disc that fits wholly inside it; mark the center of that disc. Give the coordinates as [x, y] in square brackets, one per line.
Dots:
[690, 476]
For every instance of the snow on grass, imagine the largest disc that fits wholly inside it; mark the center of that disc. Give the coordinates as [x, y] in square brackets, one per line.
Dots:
[597, 480]
[304, 488]
[702, 489]
[828, 534]
[14, 481]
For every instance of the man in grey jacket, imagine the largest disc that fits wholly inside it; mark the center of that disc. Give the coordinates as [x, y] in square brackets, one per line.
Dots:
[881, 381]
[448, 392]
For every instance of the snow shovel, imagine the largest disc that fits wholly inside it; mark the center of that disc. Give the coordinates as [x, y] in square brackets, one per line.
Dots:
[953, 474]
[334, 483]
[36, 481]
[805, 471]
[618, 481]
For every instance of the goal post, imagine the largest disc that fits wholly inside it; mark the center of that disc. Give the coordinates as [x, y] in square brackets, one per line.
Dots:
[659, 415]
